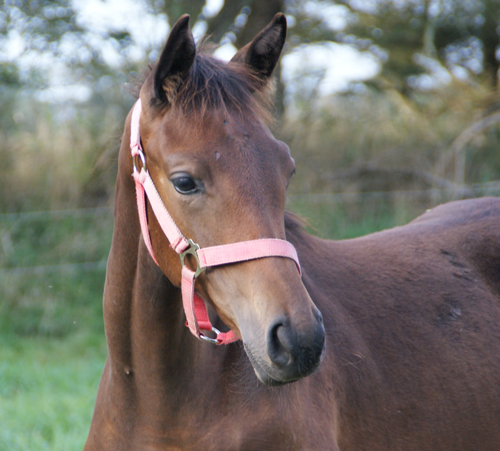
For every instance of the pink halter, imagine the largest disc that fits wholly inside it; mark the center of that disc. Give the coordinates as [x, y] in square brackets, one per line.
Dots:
[194, 306]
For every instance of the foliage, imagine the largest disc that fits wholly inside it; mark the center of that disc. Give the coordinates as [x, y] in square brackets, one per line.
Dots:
[385, 141]
[440, 38]
[46, 34]
[59, 157]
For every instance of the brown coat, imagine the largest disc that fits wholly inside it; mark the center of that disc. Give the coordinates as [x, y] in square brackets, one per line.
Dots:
[411, 315]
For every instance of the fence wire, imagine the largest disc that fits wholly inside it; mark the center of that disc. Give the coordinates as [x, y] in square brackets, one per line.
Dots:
[78, 240]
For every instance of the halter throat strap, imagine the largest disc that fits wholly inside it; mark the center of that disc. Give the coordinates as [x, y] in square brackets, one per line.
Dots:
[194, 306]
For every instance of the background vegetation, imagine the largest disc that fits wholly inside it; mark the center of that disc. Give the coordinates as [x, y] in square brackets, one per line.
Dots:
[377, 154]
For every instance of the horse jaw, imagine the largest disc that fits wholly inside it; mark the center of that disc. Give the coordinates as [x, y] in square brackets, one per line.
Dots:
[267, 305]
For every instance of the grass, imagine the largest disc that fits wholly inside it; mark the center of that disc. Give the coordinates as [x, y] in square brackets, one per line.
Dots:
[329, 219]
[356, 214]
[52, 350]
[52, 344]
[48, 390]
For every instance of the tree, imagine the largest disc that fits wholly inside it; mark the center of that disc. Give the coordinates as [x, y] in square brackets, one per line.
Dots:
[460, 35]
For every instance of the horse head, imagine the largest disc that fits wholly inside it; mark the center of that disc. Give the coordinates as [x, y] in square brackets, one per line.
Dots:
[223, 178]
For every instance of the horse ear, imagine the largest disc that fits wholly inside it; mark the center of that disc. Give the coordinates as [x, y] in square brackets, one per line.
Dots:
[175, 60]
[262, 54]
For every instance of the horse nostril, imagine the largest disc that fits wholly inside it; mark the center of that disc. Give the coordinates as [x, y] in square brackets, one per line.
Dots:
[280, 343]
[319, 317]
[296, 352]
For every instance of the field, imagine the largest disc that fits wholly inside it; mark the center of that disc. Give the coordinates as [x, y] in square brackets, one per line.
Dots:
[52, 345]
[48, 390]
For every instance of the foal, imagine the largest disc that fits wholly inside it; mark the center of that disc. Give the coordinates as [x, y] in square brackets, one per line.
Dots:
[408, 355]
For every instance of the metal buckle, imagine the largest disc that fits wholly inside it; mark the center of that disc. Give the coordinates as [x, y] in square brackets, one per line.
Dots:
[139, 154]
[211, 340]
[191, 250]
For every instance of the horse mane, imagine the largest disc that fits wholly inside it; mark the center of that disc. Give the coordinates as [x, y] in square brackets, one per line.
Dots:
[295, 228]
[214, 85]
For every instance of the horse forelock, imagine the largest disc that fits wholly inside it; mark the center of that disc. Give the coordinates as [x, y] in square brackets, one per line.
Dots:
[214, 85]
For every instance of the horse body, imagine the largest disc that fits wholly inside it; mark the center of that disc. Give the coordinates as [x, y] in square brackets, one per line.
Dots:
[410, 314]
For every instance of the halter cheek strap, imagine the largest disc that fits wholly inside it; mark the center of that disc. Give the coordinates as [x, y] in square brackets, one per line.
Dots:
[194, 306]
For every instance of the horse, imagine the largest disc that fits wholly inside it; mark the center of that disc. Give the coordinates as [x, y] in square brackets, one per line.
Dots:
[389, 341]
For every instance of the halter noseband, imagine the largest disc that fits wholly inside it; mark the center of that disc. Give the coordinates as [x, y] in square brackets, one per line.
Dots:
[194, 306]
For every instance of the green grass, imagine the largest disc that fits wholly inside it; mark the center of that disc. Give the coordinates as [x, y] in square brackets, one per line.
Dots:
[52, 344]
[49, 238]
[331, 218]
[48, 388]
[52, 351]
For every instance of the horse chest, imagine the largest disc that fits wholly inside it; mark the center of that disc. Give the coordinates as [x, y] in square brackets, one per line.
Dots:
[250, 421]
[249, 417]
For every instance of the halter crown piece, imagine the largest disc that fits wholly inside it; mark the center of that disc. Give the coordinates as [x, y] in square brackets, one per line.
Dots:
[194, 306]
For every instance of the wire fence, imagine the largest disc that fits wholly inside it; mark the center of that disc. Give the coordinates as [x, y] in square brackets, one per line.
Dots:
[56, 241]
[56, 214]
[78, 240]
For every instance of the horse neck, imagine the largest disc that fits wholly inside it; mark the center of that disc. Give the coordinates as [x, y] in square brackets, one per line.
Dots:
[143, 313]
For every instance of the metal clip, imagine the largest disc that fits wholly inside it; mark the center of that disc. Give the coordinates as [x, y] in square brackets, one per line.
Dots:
[211, 340]
[191, 250]
[139, 154]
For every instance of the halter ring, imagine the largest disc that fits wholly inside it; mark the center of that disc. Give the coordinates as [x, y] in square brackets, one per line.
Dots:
[211, 340]
[139, 153]
[191, 250]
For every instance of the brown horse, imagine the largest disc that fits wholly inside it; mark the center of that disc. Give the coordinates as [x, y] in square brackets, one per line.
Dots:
[411, 315]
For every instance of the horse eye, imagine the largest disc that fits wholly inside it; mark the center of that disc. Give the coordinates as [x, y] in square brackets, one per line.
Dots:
[185, 184]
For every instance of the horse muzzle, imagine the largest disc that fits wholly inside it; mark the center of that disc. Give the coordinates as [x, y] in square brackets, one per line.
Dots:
[293, 351]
